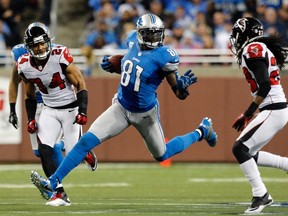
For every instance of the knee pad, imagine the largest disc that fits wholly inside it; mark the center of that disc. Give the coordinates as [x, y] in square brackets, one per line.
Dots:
[241, 152]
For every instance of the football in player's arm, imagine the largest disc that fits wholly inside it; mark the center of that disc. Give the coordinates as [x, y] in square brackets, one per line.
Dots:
[143, 68]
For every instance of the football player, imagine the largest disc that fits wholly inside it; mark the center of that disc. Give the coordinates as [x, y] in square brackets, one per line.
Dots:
[144, 66]
[51, 69]
[261, 59]
[14, 82]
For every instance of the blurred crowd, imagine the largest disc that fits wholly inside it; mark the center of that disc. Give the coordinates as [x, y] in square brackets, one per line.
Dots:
[189, 23]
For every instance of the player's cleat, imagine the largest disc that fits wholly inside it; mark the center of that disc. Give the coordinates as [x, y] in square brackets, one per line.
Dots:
[91, 160]
[59, 199]
[259, 203]
[42, 185]
[208, 133]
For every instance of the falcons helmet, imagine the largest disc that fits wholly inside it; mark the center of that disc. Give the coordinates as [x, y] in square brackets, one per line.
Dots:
[244, 30]
[37, 33]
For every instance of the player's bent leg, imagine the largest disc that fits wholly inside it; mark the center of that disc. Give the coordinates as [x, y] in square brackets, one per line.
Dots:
[241, 152]
[179, 144]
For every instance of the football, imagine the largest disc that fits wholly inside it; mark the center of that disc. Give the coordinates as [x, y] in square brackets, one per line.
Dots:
[116, 63]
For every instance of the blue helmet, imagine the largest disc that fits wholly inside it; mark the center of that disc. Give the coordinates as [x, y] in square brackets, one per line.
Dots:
[150, 30]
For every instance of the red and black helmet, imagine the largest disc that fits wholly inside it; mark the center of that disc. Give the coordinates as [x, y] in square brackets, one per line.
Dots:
[244, 30]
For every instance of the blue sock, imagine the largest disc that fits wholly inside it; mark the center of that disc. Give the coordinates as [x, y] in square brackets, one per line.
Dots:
[57, 153]
[179, 144]
[87, 142]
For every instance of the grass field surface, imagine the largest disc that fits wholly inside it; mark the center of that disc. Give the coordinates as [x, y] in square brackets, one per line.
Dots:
[143, 190]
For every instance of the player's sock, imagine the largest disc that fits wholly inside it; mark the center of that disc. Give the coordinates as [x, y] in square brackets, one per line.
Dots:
[252, 173]
[179, 144]
[87, 142]
[57, 153]
[271, 160]
[46, 153]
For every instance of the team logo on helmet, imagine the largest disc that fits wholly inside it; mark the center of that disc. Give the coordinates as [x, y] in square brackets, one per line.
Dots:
[241, 24]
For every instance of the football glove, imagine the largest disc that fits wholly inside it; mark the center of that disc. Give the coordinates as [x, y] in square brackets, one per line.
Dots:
[241, 122]
[32, 126]
[183, 82]
[106, 64]
[13, 119]
[81, 119]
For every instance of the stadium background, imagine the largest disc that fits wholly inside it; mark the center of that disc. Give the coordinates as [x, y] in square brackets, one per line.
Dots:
[221, 94]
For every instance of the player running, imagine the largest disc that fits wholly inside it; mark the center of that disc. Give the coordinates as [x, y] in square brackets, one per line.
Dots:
[261, 58]
[51, 69]
[14, 82]
[143, 68]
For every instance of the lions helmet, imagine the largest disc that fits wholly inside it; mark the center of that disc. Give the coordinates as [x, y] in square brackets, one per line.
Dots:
[37, 33]
[150, 30]
[244, 30]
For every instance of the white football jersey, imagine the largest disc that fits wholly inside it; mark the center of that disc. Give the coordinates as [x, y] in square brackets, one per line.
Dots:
[55, 88]
[258, 50]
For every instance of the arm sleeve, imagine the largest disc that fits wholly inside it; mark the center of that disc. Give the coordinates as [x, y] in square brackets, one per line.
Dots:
[260, 71]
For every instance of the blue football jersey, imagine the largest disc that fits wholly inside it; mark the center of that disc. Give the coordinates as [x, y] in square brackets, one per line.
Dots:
[17, 51]
[142, 71]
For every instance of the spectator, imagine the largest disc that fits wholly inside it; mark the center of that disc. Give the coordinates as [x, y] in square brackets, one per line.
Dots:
[272, 24]
[100, 38]
[134, 8]
[194, 6]
[181, 17]
[5, 36]
[222, 30]
[156, 7]
[10, 13]
[45, 12]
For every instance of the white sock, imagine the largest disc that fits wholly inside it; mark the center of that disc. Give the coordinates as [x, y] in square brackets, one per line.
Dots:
[271, 160]
[252, 173]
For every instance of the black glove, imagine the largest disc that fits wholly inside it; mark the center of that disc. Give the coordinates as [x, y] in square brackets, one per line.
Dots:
[241, 122]
[13, 119]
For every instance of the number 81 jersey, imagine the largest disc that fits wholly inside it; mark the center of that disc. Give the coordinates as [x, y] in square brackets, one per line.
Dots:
[55, 88]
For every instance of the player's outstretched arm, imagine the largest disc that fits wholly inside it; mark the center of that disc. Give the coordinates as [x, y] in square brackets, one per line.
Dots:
[180, 84]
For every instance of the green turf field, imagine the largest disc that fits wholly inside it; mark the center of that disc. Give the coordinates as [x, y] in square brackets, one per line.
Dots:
[143, 190]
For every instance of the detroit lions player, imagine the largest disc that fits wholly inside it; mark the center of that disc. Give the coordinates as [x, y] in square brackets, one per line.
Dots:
[143, 68]
[261, 58]
[16, 52]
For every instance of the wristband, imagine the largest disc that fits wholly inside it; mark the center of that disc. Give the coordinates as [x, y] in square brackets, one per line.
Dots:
[31, 106]
[251, 109]
[12, 107]
[82, 99]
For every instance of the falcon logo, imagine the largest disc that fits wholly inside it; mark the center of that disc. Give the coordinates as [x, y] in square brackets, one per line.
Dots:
[254, 50]
[241, 24]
